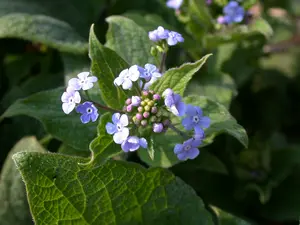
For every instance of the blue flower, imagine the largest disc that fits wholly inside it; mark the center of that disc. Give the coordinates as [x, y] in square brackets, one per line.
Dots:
[127, 76]
[233, 13]
[159, 34]
[195, 119]
[174, 4]
[83, 81]
[89, 112]
[133, 143]
[149, 71]
[173, 102]
[118, 128]
[187, 150]
[174, 38]
[69, 98]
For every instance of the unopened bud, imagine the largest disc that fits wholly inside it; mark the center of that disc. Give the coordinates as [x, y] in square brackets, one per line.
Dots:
[140, 109]
[144, 122]
[156, 96]
[147, 108]
[154, 110]
[128, 101]
[146, 114]
[139, 116]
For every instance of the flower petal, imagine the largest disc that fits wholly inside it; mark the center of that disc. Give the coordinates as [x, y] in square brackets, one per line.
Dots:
[143, 143]
[119, 80]
[65, 97]
[68, 107]
[77, 98]
[111, 128]
[124, 120]
[127, 84]
[187, 123]
[193, 153]
[204, 122]
[182, 156]
[119, 137]
[74, 83]
[116, 118]
[178, 148]
[92, 79]
[83, 75]
[85, 118]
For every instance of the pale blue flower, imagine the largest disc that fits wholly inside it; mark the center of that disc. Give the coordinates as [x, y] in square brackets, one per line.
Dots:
[84, 81]
[133, 143]
[159, 34]
[70, 98]
[187, 150]
[118, 128]
[174, 4]
[174, 102]
[149, 71]
[127, 76]
[233, 12]
[135, 100]
[174, 38]
[194, 118]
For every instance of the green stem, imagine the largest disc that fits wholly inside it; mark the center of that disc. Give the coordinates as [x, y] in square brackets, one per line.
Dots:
[184, 135]
[162, 62]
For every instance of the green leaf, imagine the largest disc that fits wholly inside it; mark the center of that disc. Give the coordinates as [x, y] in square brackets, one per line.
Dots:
[200, 13]
[14, 209]
[106, 65]
[219, 87]
[42, 29]
[45, 106]
[178, 78]
[129, 40]
[221, 120]
[226, 218]
[114, 193]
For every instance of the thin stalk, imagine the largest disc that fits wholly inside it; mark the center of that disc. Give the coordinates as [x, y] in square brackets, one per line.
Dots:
[162, 62]
[184, 135]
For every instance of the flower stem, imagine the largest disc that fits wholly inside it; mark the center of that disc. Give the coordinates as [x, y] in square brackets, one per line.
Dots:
[162, 62]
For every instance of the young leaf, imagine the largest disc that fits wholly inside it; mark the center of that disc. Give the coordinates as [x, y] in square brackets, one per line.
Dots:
[129, 40]
[106, 65]
[45, 106]
[178, 78]
[114, 193]
[14, 208]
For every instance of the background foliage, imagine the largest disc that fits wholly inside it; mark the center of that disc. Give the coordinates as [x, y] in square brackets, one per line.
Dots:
[250, 84]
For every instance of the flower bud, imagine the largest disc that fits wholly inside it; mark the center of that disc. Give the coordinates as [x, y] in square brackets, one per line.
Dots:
[153, 119]
[143, 103]
[153, 51]
[145, 93]
[151, 103]
[147, 108]
[156, 97]
[146, 114]
[139, 116]
[140, 109]
[136, 100]
[129, 108]
[144, 123]
[158, 127]
[154, 110]
[128, 101]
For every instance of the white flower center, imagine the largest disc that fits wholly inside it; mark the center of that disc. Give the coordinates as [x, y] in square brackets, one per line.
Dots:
[71, 100]
[196, 119]
[187, 148]
[119, 127]
[89, 110]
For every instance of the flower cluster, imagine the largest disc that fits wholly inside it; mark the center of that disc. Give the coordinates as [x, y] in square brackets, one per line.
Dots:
[161, 34]
[145, 113]
[71, 97]
[233, 13]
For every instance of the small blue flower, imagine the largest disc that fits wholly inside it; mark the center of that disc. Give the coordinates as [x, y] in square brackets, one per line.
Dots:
[174, 4]
[127, 76]
[174, 38]
[173, 102]
[135, 100]
[187, 150]
[133, 143]
[70, 98]
[159, 34]
[84, 81]
[195, 119]
[118, 128]
[233, 13]
[149, 71]
[89, 112]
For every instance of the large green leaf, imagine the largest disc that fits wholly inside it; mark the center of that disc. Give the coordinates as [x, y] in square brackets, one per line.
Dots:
[178, 78]
[14, 209]
[221, 122]
[117, 192]
[129, 40]
[46, 107]
[106, 65]
[41, 21]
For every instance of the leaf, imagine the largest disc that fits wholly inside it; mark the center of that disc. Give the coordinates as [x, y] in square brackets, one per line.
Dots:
[221, 120]
[219, 87]
[106, 65]
[45, 106]
[226, 218]
[114, 193]
[129, 40]
[178, 78]
[42, 29]
[14, 209]
[200, 13]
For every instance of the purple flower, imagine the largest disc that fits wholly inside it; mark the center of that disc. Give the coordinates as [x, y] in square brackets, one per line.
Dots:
[159, 34]
[118, 128]
[149, 71]
[174, 4]
[127, 76]
[195, 119]
[221, 20]
[187, 150]
[174, 38]
[69, 98]
[233, 13]
[158, 127]
[83, 81]
[89, 112]
[173, 102]
[135, 100]
[133, 143]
